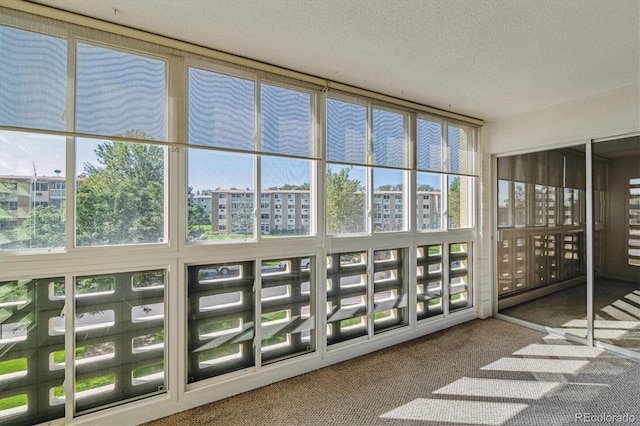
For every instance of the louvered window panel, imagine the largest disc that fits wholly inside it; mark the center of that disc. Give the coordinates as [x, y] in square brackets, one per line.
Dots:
[120, 338]
[221, 319]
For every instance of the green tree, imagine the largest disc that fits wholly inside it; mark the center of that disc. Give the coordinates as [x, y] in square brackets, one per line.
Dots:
[426, 187]
[453, 203]
[121, 200]
[287, 186]
[345, 203]
[197, 216]
[43, 227]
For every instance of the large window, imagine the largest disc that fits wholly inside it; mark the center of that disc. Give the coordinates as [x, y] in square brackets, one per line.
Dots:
[358, 138]
[222, 110]
[162, 208]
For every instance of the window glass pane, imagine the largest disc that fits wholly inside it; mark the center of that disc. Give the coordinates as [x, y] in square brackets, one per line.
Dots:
[389, 145]
[33, 87]
[429, 148]
[288, 316]
[286, 121]
[459, 199]
[119, 93]
[346, 296]
[520, 204]
[504, 203]
[388, 200]
[428, 200]
[461, 150]
[29, 367]
[346, 209]
[221, 110]
[119, 338]
[119, 193]
[32, 191]
[346, 132]
[228, 181]
[285, 199]
[221, 319]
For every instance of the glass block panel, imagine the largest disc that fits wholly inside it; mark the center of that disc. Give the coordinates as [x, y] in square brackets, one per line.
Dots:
[428, 201]
[285, 117]
[221, 319]
[389, 145]
[346, 296]
[429, 281]
[33, 87]
[285, 198]
[346, 132]
[288, 311]
[28, 344]
[221, 201]
[32, 191]
[120, 193]
[389, 290]
[388, 200]
[120, 335]
[429, 145]
[346, 209]
[119, 93]
[221, 110]
[460, 283]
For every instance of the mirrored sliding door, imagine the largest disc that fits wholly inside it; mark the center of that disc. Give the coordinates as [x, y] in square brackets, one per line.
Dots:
[541, 247]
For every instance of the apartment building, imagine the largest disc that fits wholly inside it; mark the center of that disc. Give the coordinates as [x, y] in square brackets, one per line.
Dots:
[19, 195]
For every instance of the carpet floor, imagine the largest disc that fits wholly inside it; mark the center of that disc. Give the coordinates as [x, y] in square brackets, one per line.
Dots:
[616, 308]
[485, 372]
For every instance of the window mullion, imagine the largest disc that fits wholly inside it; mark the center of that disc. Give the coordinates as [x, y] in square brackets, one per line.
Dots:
[70, 116]
[69, 313]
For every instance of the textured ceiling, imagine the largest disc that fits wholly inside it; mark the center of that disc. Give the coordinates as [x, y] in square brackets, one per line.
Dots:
[488, 59]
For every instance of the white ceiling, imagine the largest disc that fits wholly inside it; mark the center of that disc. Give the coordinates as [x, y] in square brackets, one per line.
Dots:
[488, 59]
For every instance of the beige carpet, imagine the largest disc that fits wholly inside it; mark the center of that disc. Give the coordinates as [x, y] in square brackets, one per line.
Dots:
[616, 308]
[483, 372]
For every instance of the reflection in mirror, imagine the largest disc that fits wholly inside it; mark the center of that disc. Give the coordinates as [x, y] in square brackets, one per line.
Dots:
[541, 252]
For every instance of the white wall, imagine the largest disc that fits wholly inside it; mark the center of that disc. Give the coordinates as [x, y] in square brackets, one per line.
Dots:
[605, 114]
